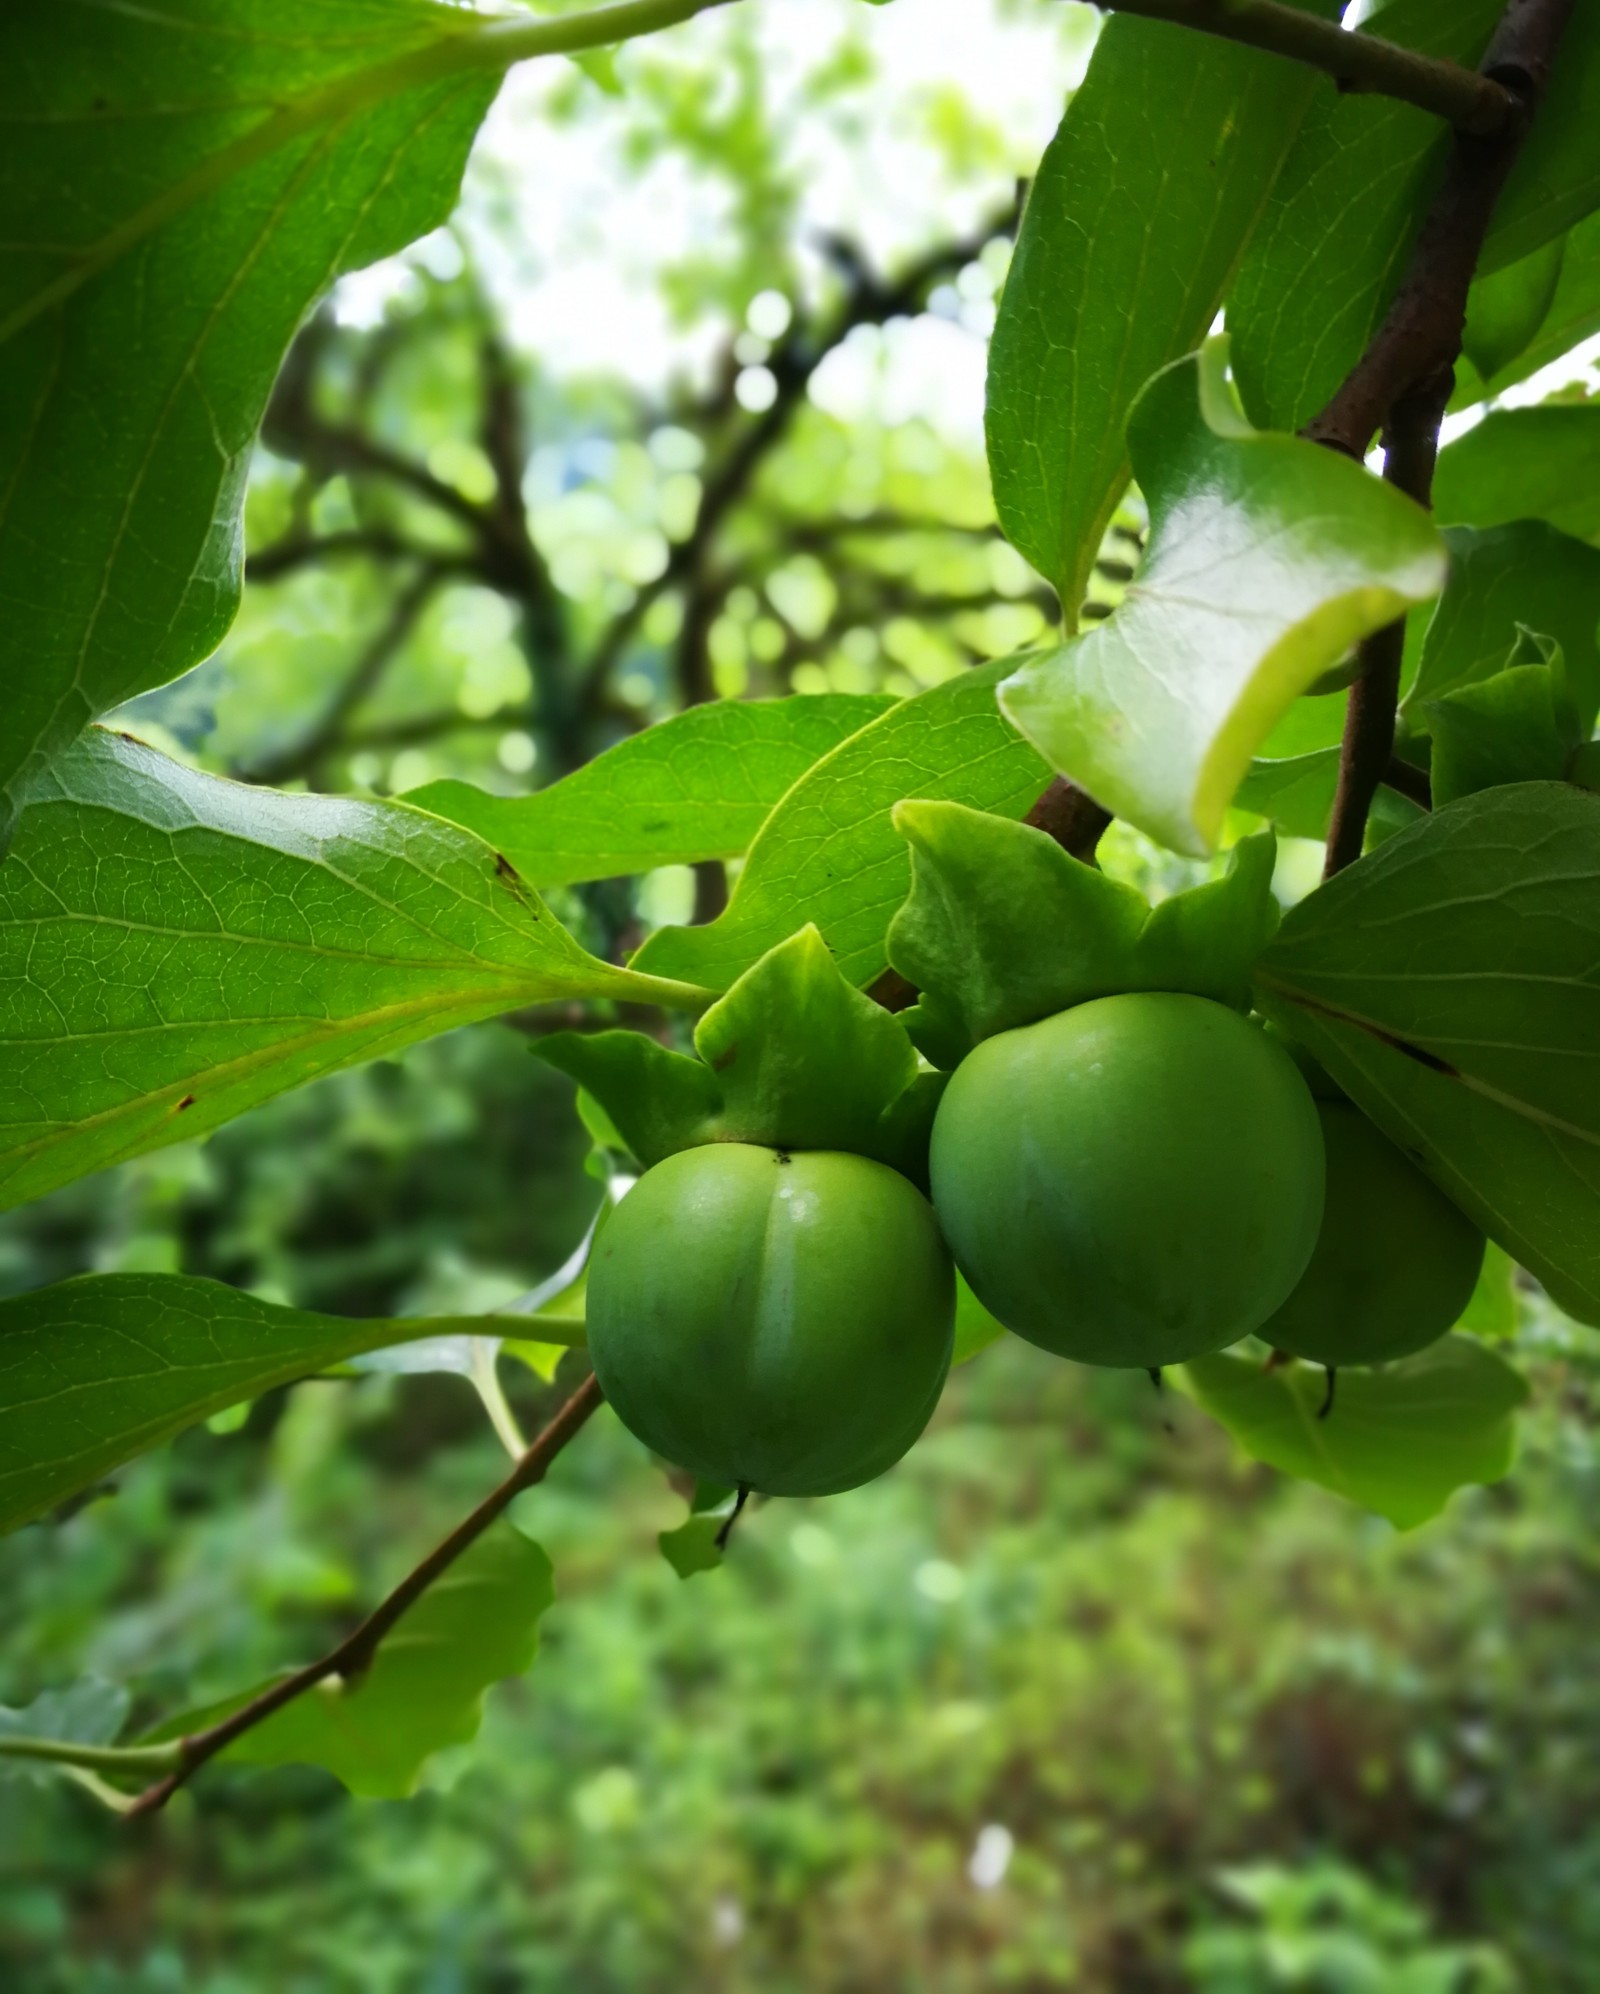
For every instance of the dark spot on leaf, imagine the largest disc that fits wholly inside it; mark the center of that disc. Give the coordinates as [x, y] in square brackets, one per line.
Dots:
[504, 867]
[101, 104]
[725, 1059]
[783, 1156]
[186, 1102]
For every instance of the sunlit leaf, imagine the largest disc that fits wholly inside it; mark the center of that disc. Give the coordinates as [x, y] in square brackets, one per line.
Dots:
[830, 854]
[1134, 224]
[1400, 1438]
[97, 1370]
[698, 786]
[175, 949]
[1269, 558]
[1450, 983]
[1573, 313]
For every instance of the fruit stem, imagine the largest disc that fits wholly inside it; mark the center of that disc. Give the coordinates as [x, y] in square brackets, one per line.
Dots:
[733, 1516]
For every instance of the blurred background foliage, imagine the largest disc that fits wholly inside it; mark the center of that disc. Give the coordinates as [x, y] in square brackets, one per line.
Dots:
[686, 403]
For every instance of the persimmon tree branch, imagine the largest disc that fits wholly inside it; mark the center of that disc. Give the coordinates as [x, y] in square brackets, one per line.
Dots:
[1478, 103]
[1402, 382]
[355, 1653]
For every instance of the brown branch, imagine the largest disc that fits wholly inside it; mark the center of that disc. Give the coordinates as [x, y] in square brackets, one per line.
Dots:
[869, 300]
[1478, 104]
[1403, 381]
[302, 756]
[1407, 780]
[302, 550]
[355, 1653]
[1420, 336]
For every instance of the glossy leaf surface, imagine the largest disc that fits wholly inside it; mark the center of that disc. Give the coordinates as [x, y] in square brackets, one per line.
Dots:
[698, 786]
[1450, 983]
[177, 204]
[1134, 225]
[175, 949]
[830, 854]
[1269, 558]
[1400, 1439]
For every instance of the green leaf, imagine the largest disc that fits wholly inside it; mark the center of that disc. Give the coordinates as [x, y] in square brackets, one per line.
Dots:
[1492, 1311]
[693, 1548]
[1505, 310]
[1269, 558]
[163, 250]
[188, 180]
[1450, 983]
[88, 1712]
[175, 949]
[1141, 206]
[474, 1626]
[1525, 463]
[1339, 223]
[1296, 794]
[1518, 726]
[1522, 576]
[830, 854]
[1002, 927]
[793, 1057]
[1401, 1438]
[1555, 181]
[1573, 314]
[97, 1370]
[697, 786]
[976, 1329]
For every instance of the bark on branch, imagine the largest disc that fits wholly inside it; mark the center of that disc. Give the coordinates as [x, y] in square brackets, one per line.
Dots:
[1472, 102]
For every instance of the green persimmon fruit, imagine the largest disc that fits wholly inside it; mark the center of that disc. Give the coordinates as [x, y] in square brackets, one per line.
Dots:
[1394, 1264]
[1135, 1181]
[773, 1320]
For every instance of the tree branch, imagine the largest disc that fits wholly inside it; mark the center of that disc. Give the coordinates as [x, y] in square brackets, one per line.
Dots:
[354, 1654]
[1403, 381]
[1420, 336]
[302, 756]
[303, 550]
[1478, 104]
[869, 300]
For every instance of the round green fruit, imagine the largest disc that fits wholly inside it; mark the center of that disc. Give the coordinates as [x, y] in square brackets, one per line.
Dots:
[1394, 1264]
[776, 1321]
[1135, 1181]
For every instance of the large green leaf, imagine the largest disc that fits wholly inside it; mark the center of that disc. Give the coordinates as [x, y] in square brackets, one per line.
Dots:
[830, 854]
[1296, 792]
[1269, 558]
[1525, 463]
[696, 787]
[473, 1627]
[1339, 223]
[1450, 983]
[1142, 204]
[1338, 230]
[174, 949]
[100, 1369]
[1525, 576]
[179, 183]
[1400, 1439]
